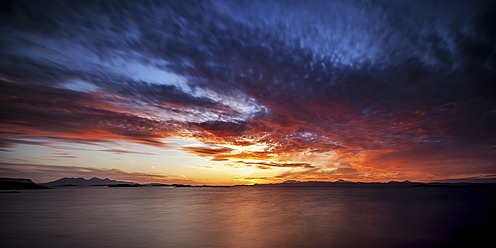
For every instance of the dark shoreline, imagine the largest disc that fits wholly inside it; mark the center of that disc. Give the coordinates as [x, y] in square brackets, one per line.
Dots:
[21, 184]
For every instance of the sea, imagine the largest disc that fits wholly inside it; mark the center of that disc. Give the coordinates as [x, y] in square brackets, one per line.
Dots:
[249, 217]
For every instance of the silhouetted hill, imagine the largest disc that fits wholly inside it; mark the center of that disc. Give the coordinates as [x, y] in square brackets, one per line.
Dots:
[72, 181]
[125, 185]
[19, 183]
[343, 183]
[339, 183]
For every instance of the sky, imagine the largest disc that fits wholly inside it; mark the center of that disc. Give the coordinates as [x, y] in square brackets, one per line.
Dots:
[243, 92]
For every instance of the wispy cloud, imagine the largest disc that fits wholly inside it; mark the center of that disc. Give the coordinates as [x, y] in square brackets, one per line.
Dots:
[275, 164]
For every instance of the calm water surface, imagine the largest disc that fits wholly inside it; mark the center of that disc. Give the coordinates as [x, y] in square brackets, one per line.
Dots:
[248, 217]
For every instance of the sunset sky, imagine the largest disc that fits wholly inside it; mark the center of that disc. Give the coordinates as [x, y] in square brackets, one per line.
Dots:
[242, 92]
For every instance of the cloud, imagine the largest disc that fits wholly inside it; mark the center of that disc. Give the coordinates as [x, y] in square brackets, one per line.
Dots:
[6, 142]
[118, 151]
[264, 165]
[206, 151]
[64, 155]
[63, 114]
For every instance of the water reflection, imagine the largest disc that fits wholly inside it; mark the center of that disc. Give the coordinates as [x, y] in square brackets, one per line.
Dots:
[244, 217]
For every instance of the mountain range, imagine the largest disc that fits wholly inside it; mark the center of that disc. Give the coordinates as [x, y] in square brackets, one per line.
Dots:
[79, 181]
[343, 183]
[19, 183]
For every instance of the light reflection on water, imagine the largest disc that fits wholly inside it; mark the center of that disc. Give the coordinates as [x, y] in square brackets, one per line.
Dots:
[245, 217]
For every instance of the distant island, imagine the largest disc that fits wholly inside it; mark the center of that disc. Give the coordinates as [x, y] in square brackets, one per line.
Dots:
[19, 183]
[338, 183]
[343, 183]
[95, 181]
[79, 181]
